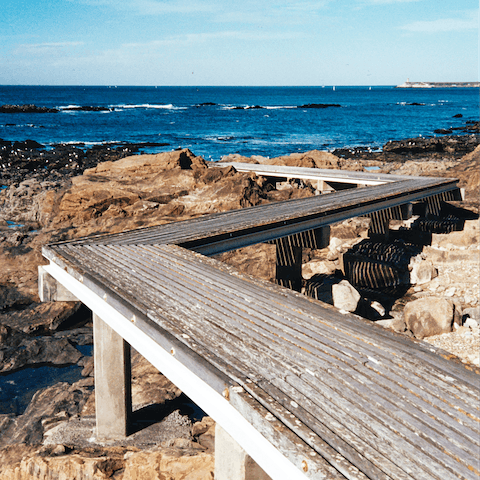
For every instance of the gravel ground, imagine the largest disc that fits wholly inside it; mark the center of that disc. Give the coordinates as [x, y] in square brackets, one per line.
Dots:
[464, 343]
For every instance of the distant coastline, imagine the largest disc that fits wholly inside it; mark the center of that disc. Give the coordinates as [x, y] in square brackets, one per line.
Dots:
[409, 84]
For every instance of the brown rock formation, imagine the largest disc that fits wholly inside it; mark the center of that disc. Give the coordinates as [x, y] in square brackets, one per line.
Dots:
[311, 159]
[125, 194]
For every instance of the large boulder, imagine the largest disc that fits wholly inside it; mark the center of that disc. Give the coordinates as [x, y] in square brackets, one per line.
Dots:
[429, 316]
[421, 271]
[345, 296]
[32, 201]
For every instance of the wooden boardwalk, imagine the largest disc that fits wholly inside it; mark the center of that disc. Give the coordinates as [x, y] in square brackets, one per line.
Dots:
[306, 390]
[315, 174]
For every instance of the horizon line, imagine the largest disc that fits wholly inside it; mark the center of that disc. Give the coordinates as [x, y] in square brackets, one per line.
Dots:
[367, 85]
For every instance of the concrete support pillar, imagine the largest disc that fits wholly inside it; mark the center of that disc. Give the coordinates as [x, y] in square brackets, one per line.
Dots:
[113, 393]
[406, 211]
[324, 187]
[288, 264]
[232, 462]
[49, 290]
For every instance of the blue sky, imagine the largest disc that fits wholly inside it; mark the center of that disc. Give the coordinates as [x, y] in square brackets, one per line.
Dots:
[249, 42]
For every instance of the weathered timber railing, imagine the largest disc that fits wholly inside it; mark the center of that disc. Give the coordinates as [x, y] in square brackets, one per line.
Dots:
[305, 390]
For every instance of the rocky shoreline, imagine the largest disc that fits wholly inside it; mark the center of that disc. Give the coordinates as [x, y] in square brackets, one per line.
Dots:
[73, 191]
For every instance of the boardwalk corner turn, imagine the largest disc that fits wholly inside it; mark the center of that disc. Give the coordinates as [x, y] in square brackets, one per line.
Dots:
[302, 389]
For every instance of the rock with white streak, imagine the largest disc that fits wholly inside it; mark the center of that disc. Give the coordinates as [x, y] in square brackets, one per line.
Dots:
[473, 313]
[422, 271]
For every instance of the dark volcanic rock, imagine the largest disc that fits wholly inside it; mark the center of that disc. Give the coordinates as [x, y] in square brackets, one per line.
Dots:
[11, 297]
[451, 145]
[319, 105]
[39, 318]
[20, 161]
[354, 152]
[471, 126]
[27, 145]
[86, 108]
[26, 109]
[39, 350]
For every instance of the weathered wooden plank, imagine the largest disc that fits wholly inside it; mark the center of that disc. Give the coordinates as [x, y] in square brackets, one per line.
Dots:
[378, 436]
[265, 453]
[256, 296]
[236, 349]
[299, 453]
[353, 477]
[329, 434]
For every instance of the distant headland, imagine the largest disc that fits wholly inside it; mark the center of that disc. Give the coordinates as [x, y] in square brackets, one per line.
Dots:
[409, 84]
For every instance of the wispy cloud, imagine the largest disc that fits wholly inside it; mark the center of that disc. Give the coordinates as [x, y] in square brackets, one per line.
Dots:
[444, 25]
[46, 47]
[198, 38]
[156, 7]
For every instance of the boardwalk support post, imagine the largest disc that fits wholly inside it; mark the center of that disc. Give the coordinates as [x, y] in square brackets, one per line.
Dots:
[232, 462]
[49, 290]
[113, 397]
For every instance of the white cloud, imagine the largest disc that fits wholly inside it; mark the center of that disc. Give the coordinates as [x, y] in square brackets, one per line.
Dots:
[443, 25]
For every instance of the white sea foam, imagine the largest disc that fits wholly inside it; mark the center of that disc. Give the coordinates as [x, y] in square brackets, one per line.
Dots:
[80, 142]
[25, 125]
[148, 105]
[255, 107]
[280, 107]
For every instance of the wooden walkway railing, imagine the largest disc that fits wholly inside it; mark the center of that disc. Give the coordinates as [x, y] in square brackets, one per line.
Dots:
[305, 390]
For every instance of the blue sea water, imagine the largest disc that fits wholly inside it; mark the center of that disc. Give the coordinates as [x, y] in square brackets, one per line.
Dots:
[208, 121]
[17, 389]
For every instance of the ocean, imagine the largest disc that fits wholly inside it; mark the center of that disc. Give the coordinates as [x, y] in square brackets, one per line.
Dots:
[217, 121]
